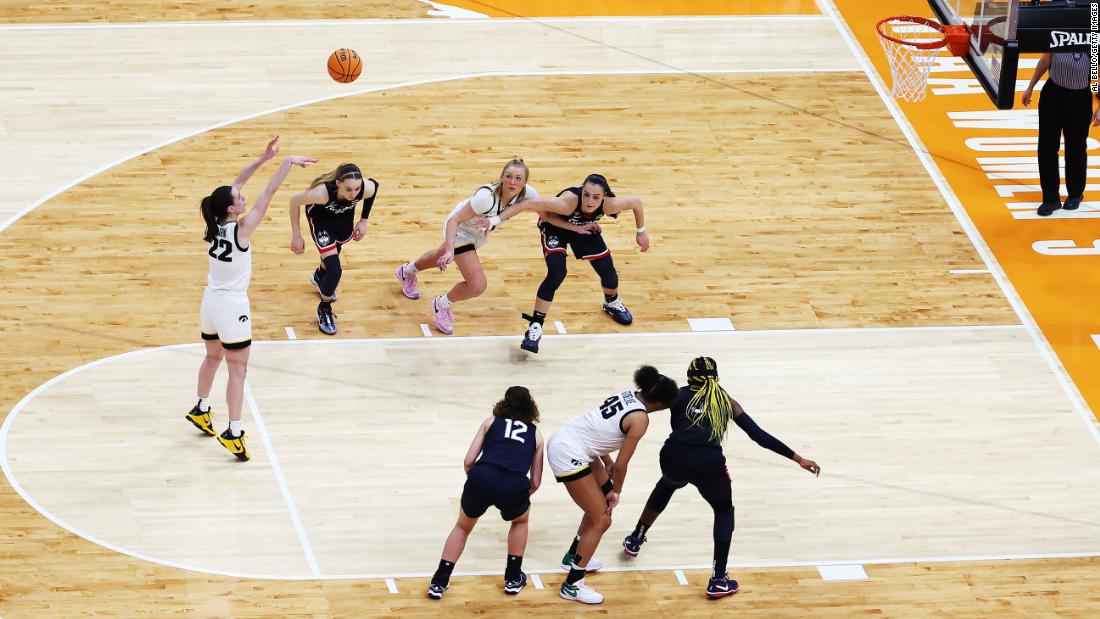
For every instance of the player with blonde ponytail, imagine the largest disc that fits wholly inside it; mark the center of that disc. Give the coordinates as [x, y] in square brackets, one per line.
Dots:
[692, 454]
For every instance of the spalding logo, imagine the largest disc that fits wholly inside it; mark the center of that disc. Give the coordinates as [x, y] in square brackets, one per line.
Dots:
[1060, 38]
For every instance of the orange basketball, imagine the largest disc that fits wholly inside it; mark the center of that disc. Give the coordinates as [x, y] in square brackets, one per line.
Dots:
[344, 65]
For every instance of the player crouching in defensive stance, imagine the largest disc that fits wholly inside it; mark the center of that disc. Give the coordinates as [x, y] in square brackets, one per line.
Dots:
[509, 446]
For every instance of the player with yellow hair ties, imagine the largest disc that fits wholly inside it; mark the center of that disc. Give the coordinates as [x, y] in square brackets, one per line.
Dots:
[692, 454]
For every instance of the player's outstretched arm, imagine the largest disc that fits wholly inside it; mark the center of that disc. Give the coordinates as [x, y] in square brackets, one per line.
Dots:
[269, 154]
[618, 204]
[767, 441]
[252, 219]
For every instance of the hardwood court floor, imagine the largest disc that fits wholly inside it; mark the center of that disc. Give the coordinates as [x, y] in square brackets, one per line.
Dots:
[936, 442]
[106, 283]
[796, 262]
[132, 11]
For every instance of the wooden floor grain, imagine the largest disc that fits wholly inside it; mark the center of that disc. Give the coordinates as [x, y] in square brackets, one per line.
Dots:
[778, 203]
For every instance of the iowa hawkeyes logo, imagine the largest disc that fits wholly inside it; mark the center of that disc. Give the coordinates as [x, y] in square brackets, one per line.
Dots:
[242, 319]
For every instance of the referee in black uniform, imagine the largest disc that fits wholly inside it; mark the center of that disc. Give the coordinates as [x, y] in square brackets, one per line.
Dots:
[1065, 108]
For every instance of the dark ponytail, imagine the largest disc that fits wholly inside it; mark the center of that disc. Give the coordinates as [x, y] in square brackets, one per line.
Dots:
[598, 179]
[517, 404]
[656, 388]
[214, 207]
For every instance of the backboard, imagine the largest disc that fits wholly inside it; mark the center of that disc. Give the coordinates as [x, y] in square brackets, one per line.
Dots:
[1000, 30]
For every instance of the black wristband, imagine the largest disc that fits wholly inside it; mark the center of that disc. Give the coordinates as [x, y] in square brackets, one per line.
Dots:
[607, 487]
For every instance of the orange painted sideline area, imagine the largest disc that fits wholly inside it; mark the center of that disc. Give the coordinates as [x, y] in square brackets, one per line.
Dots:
[988, 158]
[591, 8]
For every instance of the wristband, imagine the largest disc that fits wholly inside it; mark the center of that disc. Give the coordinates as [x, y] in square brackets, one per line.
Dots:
[608, 487]
[494, 221]
[641, 229]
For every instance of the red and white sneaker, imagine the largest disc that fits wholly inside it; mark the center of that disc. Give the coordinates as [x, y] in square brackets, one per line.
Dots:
[444, 317]
[408, 283]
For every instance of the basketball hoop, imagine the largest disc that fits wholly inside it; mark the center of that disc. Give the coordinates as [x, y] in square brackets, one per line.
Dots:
[911, 44]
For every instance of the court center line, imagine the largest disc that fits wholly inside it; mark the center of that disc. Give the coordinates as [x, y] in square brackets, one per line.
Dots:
[963, 217]
[295, 517]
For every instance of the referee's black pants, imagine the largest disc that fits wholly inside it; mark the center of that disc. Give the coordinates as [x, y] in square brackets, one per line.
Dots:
[1068, 112]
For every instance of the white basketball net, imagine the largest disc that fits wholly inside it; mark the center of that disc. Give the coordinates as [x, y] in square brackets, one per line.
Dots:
[909, 64]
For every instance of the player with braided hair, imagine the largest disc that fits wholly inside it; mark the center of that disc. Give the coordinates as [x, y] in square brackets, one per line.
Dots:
[692, 454]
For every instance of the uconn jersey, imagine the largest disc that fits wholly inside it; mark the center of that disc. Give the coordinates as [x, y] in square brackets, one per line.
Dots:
[331, 224]
[578, 217]
[225, 314]
[509, 445]
[585, 246]
[499, 478]
[591, 435]
[230, 264]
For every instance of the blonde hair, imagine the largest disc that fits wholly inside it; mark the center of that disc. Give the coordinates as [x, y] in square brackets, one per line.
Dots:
[710, 399]
[498, 186]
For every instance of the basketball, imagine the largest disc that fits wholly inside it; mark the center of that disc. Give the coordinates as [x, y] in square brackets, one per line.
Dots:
[344, 65]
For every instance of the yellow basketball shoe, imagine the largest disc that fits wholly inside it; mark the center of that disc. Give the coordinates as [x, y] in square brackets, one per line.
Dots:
[235, 445]
[203, 421]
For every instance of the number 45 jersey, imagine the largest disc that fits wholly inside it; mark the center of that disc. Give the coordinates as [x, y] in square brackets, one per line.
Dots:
[600, 431]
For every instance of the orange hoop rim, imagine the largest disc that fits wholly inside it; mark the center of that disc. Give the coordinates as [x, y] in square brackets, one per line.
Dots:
[924, 21]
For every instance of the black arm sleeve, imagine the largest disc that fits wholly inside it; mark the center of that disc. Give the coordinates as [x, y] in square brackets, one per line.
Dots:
[369, 202]
[762, 438]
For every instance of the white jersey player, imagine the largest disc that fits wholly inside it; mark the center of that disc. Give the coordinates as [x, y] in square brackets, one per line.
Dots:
[578, 453]
[466, 230]
[225, 314]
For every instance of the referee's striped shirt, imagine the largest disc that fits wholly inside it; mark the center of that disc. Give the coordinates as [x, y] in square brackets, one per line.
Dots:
[1070, 69]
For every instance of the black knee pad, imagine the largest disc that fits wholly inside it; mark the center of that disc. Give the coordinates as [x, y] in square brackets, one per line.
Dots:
[605, 268]
[555, 275]
[331, 277]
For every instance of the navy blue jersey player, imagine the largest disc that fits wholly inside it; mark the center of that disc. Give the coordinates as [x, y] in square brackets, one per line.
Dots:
[571, 220]
[692, 454]
[505, 449]
[330, 204]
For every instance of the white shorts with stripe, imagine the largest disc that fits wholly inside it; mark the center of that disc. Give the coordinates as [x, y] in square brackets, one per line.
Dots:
[226, 316]
[568, 459]
[465, 237]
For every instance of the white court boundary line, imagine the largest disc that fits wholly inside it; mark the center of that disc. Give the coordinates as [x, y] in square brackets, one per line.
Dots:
[197, 346]
[291, 507]
[294, 23]
[372, 89]
[964, 220]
